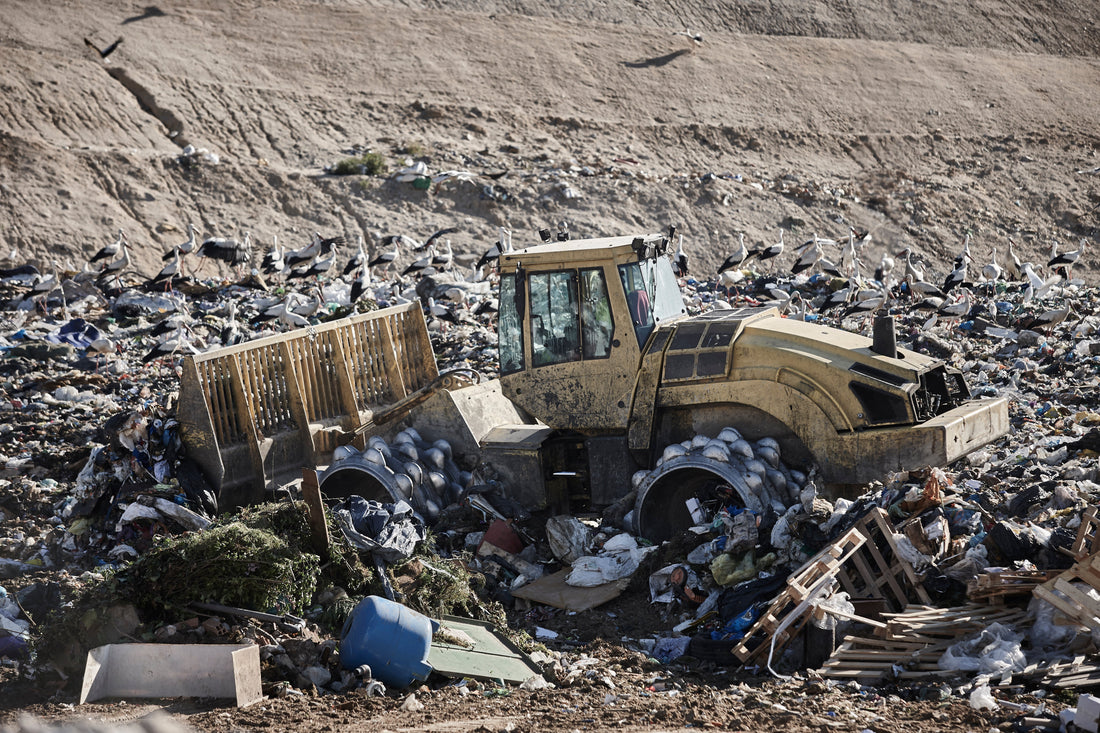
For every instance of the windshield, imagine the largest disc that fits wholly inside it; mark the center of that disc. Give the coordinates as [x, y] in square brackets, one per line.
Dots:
[652, 294]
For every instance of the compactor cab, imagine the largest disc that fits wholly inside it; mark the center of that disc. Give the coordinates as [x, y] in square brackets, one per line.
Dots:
[574, 319]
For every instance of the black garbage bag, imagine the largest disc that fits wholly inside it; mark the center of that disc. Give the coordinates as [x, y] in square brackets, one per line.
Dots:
[389, 531]
[1011, 541]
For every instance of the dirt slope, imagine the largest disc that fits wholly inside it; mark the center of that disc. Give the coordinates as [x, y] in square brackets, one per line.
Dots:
[919, 125]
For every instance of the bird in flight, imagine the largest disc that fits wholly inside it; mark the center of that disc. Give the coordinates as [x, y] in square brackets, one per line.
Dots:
[697, 37]
[103, 52]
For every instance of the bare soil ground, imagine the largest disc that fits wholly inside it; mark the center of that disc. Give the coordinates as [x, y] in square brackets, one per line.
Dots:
[917, 124]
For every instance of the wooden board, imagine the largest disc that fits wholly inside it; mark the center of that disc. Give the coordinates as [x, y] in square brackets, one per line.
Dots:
[912, 641]
[552, 590]
[864, 561]
[999, 585]
[1074, 603]
[789, 611]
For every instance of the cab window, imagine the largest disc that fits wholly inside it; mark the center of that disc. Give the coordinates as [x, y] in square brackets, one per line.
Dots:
[509, 333]
[555, 322]
[570, 316]
[638, 286]
[596, 322]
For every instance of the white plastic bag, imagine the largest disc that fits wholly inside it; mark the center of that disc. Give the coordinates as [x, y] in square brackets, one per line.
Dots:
[993, 651]
[835, 602]
[981, 698]
[568, 538]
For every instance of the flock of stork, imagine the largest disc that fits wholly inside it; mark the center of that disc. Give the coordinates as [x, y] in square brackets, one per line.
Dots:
[827, 279]
[901, 282]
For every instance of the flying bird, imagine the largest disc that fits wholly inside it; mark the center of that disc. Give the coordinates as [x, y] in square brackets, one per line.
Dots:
[230, 250]
[103, 52]
[696, 37]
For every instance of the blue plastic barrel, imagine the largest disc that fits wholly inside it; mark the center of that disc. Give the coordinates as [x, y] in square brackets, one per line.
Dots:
[391, 638]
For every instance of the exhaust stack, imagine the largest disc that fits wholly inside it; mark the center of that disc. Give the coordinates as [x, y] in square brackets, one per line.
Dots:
[884, 340]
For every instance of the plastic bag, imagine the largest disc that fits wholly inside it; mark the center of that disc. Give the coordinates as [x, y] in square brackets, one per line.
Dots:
[981, 698]
[728, 570]
[835, 602]
[669, 648]
[568, 538]
[619, 558]
[1044, 633]
[994, 651]
[908, 552]
[975, 561]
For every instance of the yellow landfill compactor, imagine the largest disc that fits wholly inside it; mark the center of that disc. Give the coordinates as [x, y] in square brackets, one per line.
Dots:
[601, 369]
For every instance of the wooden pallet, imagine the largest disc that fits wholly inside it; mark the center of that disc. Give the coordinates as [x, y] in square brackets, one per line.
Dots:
[878, 571]
[1086, 544]
[873, 660]
[927, 623]
[864, 562]
[790, 610]
[1073, 602]
[910, 643]
[1062, 674]
[995, 587]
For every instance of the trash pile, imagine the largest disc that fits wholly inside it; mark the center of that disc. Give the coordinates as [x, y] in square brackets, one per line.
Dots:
[985, 573]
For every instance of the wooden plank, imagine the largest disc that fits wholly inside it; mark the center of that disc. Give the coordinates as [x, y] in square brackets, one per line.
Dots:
[1090, 609]
[318, 525]
[344, 387]
[391, 362]
[297, 401]
[247, 418]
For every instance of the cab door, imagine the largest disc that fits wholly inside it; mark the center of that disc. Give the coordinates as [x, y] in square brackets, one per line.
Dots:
[579, 363]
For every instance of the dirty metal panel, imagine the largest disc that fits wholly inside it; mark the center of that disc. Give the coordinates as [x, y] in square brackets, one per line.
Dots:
[702, 349]
[490, 657]
[610, 466]
[516, 437]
